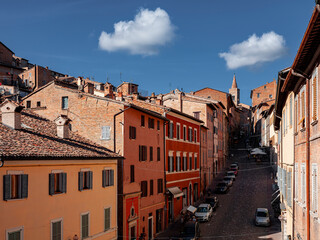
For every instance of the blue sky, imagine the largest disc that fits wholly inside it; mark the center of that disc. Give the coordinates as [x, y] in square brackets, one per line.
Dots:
[167, 45]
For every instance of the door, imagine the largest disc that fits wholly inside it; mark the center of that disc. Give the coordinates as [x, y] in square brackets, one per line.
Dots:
[150, 228]
[133, 233]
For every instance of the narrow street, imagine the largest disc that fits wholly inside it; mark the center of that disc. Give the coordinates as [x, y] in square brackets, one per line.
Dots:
[234, 219]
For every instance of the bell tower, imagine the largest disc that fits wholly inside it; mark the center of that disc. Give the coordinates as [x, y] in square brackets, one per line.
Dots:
[235, 91]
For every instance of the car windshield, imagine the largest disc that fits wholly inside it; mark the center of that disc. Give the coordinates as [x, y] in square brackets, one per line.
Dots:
[262, 214]
[202, 209]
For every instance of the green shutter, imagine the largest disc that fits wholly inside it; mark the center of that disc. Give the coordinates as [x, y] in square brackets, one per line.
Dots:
[6, 187]
[111, 178]
[14, 235]
[85, 225]
[107, 219]
[56, 230]
[24, 185]
[80, 179]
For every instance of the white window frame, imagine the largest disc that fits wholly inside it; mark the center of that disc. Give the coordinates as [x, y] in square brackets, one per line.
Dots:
[16, 229]
[303, 184]
[314, 75]
[314, 186]
[54, 221]
[82, 214]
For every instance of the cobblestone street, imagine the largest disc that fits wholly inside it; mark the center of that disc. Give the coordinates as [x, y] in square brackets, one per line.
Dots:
[234, 219]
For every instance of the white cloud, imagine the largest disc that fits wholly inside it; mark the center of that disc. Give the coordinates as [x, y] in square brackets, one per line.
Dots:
[269, 47]
[143, 35]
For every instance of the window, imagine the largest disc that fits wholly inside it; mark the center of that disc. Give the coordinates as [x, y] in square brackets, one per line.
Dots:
[151, 187]
[107, 177]
[302, 108]
[303, 183]
[105, 133]
[314, 188]
[158, 154]
[142, 153]
[84, 226]
[170, 163]
[270, 96]
[160, 185]
[170, 130]
[15, 234]
[142, 120]
[28, 104]
[184, 163]
[314, 95]
[195, 135]
[296, 171]
[158, 125]
[57, 183]
[190, 135]
[291, 106]
[132, 132]
[56, 230]
[178, 161]
[178, 131]
[196, 115]
[107, 219]
[184, 133]
[151, 123]
[38, 104]
[85, 180]
[64, 103]
[131, 173]
[15, 186]
[144, 188]
[151, 153]
[195, 161]
[195, 192]
[190, 162]
[258, 95]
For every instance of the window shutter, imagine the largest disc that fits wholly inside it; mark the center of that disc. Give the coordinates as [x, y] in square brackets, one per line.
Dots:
[105, 132]
[80, 174]
[289, 197]
[24, 185]
[19, 186]
[90, 179]
[145, 153]
[151, 187]
[314, 83]
[296, 181]
[51, 184]
[104, 178]
[6, 187]
[107, 219]
[111, 178]
[64, 182]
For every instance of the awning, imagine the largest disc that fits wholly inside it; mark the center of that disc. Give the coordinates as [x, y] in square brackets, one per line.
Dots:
[176, 192]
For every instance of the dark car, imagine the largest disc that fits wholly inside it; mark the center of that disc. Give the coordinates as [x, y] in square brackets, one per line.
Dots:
[213, 201]
[190, 231]
[222, 187]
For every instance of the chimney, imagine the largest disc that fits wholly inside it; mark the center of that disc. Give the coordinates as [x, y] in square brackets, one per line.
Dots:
[89, 88]
[159, 99]
[62, 126]
[11, 114]
[119, 97]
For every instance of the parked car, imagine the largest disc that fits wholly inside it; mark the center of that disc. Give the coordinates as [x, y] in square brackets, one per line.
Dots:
[234, 170]
[221, 188]
[231, 174]
[213, 201]
[190, 231]
[204, 212]
[228, 181]
[234, 165]
[262, 217]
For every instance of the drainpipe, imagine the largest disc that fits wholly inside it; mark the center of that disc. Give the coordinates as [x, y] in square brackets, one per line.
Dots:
[165, 210]
[308, 157]
[114, 128]
[200, 158]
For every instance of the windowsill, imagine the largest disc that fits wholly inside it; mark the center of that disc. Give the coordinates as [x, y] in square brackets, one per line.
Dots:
[302, 129]
[314, 122]
[58, 193]
[14, 199]
[314, 214]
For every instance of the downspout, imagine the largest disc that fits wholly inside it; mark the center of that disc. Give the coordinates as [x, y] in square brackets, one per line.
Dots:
[164, 164]
[200, 130]
[114, 127]
[308, 157]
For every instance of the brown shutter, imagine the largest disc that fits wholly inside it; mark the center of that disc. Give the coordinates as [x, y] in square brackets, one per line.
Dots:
[104, 178]
[24, 185]
[80, 179]
[64, 182]
[6, 187]
[90, 179]
[314, 83]
[111, 178]
[51, 183]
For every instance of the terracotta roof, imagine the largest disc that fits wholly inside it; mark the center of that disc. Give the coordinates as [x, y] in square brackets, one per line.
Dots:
[38, 139]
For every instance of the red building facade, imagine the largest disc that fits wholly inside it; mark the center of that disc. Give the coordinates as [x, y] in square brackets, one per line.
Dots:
[182, 162]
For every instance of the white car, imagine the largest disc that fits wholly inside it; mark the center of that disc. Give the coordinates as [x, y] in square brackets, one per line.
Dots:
[262, 217]
[231, 174]
[234, 165]
[204, 212]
